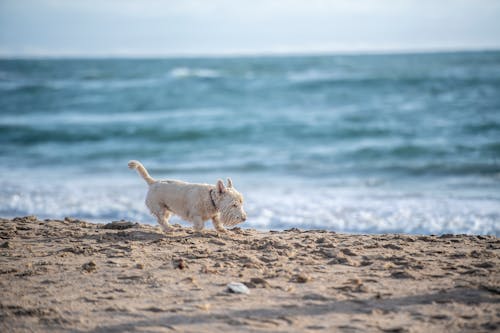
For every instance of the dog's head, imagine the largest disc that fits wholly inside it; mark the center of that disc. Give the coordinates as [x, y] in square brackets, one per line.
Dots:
[230, 204]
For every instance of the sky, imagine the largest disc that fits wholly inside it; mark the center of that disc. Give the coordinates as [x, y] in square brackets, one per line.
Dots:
[138, 28]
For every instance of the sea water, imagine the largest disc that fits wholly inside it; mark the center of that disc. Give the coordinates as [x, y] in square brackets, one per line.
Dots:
[352, 143]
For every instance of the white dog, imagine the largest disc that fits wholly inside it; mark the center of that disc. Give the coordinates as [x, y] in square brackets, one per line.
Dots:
[192, 202]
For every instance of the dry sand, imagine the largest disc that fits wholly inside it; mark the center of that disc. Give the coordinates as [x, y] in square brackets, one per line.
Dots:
[76, 276]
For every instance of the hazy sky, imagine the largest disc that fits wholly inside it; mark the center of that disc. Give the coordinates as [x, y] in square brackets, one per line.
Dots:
[149, 27]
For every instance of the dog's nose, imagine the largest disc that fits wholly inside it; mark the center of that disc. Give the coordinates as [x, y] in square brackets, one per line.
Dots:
[244, 218]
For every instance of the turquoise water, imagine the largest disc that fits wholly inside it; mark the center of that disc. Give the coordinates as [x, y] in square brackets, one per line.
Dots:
[371, 143]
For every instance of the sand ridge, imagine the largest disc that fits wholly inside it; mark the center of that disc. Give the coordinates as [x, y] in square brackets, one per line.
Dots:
[71, 275]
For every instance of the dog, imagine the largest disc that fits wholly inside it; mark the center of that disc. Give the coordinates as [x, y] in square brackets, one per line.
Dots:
[195, 203]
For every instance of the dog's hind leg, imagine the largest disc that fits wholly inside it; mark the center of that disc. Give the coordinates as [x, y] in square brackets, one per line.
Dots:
[161, 212]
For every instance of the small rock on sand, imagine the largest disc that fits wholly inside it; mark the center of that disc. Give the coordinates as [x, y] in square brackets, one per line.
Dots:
[237, 288]
[258, 281]
[179, 263]
[301, 278]
[402, 275]
[89, 266]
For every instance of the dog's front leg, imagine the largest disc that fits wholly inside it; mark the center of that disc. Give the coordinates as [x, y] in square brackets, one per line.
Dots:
[198, 223]
[218, 225]
[163, 221]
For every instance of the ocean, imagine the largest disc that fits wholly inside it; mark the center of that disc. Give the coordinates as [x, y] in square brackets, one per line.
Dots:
[406, 143]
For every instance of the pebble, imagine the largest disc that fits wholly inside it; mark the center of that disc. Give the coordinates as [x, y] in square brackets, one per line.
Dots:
[180, 264]
[89, 266]
[302, 278]
[402, 275]
[238, 288]
[256, 280]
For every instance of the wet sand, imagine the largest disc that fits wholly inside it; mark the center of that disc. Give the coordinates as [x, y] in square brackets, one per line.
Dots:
[77, 276]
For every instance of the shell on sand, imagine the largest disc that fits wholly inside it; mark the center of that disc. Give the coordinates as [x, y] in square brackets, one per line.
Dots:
[238, 288]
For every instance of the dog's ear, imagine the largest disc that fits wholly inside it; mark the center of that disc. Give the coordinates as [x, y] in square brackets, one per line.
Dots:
[220, 186]
[229, 182]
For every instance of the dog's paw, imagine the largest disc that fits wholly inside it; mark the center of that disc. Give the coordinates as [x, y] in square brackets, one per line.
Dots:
[221, 231]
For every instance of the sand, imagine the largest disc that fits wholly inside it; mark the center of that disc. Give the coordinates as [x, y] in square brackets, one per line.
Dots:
[77, 276]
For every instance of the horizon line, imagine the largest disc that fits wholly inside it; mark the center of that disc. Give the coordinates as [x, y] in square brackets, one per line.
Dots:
[249, 54]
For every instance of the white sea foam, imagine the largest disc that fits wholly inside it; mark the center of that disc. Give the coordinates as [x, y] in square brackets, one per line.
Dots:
[342, 210]
[314, 75]
[76, 118]
[183, 72]
[359, 211]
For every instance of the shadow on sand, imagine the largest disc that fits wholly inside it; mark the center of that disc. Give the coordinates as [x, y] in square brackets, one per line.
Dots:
[464, 296]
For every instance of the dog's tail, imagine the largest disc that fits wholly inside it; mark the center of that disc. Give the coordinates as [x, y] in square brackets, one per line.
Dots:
[142, 171]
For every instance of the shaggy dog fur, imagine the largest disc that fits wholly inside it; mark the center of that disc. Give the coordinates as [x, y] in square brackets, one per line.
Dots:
[195, 203]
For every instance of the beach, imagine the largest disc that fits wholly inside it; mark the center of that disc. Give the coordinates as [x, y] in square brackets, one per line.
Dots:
[72, 275]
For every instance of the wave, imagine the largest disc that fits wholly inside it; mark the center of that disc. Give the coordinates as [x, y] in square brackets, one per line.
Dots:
[119, 118]
[186, 72]
[329, 76]
[342, 210]
[30, 135]
[28, 87]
